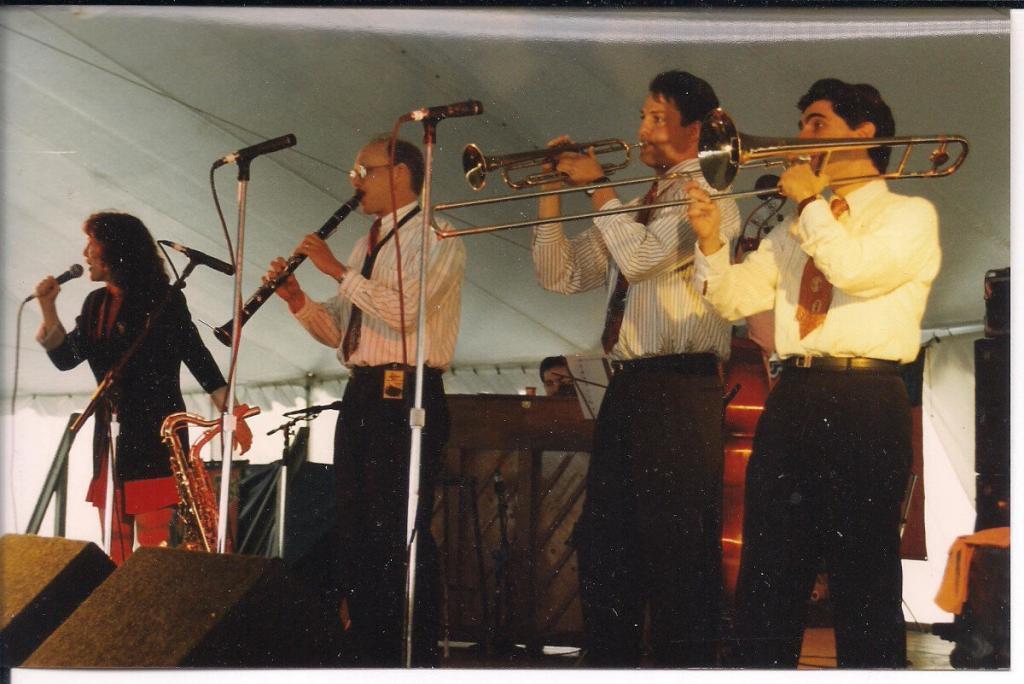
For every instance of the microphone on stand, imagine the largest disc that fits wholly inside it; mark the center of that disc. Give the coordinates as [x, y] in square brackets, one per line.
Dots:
[75, 271]
[253, 151]
[313, 410]
[467, 108]
[200, 257]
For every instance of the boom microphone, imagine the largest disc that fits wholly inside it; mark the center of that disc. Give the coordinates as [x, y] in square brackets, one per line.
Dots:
[265, 147]
[75, 271]
[467, 108]
[200, 257]
[313, 410]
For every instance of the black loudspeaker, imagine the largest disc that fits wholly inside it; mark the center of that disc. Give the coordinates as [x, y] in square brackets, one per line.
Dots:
[992, 406]
[42, 581]
[992, 501]
[992, 432]
[168, 607]
[997, 302]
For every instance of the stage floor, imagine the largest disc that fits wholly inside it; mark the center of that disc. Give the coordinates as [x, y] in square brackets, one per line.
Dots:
[925, 651]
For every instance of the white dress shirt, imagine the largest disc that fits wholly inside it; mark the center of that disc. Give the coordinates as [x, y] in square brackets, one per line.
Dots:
[381, 337]
[881, 258]
[664, 313]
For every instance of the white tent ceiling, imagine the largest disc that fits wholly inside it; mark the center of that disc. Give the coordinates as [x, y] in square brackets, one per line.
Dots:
[126, 109]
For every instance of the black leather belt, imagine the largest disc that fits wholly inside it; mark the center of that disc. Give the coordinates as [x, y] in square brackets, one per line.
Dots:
[378, 371]
[837, 363]
[692, 364]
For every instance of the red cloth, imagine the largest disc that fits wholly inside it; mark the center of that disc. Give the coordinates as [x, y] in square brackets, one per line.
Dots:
[140, 496]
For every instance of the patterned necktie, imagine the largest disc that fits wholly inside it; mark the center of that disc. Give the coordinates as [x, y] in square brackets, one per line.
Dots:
[350, 342]
[815, 290]
[374, 238]
[617, 301]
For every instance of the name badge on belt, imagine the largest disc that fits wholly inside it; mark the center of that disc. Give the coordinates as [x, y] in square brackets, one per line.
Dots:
[394, 384]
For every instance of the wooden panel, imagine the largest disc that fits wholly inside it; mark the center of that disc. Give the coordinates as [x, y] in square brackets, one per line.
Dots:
[517, 422]
[538, 445]
[560, 497]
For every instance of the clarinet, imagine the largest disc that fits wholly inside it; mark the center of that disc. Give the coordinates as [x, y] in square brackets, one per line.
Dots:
[226, 331]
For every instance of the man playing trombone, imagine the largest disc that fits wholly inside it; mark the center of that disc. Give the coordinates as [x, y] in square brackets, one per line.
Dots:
[649, 532]
[848, 281]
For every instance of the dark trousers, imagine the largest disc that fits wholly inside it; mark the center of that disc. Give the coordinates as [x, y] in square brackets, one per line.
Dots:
[371, 459]
[649, 533]
[830, 463]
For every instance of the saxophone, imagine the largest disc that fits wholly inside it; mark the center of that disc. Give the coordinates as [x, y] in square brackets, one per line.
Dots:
[197, 500]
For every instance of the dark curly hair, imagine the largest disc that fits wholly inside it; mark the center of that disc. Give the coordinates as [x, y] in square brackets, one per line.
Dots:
[693, 96]
[129, 252]
[856, 104]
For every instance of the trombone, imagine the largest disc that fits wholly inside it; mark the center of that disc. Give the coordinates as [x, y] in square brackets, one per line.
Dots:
[722, 153]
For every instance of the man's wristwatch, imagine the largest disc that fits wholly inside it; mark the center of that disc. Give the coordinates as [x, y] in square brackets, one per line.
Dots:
[591, 190]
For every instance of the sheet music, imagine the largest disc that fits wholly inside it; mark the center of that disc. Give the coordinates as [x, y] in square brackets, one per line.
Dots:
[591, 379]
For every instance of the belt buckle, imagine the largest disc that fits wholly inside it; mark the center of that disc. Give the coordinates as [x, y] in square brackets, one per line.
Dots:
[804, 361]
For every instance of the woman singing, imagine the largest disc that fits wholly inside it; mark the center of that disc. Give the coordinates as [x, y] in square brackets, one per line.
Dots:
[121, 253]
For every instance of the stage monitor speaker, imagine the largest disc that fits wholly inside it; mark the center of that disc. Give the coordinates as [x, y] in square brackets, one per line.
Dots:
[42, 581]
[168, 608]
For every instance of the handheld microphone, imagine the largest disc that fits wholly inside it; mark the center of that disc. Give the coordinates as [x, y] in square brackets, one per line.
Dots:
[265, 147]
[75, 271]
[467, 108]
[200, 257]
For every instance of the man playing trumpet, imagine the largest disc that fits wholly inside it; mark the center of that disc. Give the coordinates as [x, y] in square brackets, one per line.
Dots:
[649, 533]
[848, 281]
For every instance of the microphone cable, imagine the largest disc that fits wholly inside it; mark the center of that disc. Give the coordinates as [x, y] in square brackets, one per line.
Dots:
[14, 399]
[392, 144]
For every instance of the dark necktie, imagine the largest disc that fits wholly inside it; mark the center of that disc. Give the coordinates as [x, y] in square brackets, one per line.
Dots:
[617, 301]
[350, 342]
[815, 290]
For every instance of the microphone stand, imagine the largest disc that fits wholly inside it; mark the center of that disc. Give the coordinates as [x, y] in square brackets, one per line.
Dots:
[282, 480]
[417, 415]
[228, 420]
[307, 414]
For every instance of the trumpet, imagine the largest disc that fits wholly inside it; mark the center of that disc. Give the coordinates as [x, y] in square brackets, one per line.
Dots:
[722, 153]
[476, 165]
[252, 305]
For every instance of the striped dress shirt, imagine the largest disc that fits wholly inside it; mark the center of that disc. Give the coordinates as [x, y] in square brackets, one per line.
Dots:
[382, 334]
[664, 313]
